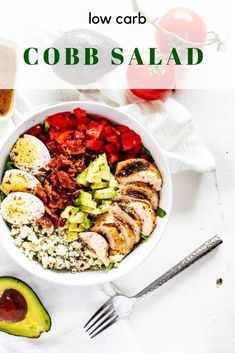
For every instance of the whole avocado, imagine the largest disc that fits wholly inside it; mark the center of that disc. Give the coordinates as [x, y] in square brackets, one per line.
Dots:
[80, 39]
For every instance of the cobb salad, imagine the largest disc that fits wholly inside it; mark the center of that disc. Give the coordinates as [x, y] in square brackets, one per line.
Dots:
[80, 192]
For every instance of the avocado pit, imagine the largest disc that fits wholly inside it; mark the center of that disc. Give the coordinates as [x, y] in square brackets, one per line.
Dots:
[13, 306]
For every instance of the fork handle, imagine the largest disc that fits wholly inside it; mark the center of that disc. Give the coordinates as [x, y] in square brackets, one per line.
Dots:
[204, 249]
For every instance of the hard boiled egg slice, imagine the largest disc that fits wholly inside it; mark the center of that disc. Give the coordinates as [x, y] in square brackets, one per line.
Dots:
[30, 154]
[21, 208]
[18, 180]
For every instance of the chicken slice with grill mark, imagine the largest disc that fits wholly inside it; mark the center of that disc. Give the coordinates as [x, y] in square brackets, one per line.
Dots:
[124, 212]
[140, 192]
[138, 170]
[124, 228]
[115, 239]
[119, 235]
[97, 243]
[147, 215]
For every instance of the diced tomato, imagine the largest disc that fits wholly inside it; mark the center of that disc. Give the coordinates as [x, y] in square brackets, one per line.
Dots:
[71, 121]
[82, 127]
[112, 138]
[94, 145]
[109, 130]
[114, 157]
[102, 135]
[80, 113]
[35, 130]
[79, 135]
[94, 129]
[122, 128]
[53, 133]
[59, 121]
[75, 147]
[129, 140]
[110, 148]
[84, 120]
[132, 153]
[63, 137]
[138, 148]
[104, 121]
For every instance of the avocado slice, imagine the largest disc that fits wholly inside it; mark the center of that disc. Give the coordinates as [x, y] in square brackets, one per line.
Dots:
[81, 178]
[113, 182]
[101, 185]
[21, 311]
[69, 211]
[103, 194]
[78, 218]
[105, 206]
[105, 172]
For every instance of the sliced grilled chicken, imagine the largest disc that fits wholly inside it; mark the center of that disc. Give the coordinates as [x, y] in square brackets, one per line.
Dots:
[97, 243]
[147, 215]
[138, 169]
[127, 232]
[140, 192]
[114, 238]
[124, 212]
[119, 235]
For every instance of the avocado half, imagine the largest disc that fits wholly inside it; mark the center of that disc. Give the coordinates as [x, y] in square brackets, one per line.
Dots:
[21, 311]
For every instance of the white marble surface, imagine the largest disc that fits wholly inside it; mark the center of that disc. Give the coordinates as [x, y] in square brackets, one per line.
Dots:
[191, 313]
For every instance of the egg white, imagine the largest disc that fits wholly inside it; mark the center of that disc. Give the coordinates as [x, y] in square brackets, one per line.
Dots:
[30, 154]
[18, 180]
[21, 208]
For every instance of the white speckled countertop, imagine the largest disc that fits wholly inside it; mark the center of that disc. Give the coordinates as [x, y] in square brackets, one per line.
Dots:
[191, 313]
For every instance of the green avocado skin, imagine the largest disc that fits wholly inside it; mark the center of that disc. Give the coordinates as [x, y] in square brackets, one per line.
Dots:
[37, 319]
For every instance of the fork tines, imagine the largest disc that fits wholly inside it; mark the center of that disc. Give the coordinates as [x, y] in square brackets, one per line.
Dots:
[103, 318]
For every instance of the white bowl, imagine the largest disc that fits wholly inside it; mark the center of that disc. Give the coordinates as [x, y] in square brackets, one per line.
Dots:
[140, 252]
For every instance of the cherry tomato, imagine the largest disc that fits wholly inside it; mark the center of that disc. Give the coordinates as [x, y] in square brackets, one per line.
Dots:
[183, 22]
[150, 82]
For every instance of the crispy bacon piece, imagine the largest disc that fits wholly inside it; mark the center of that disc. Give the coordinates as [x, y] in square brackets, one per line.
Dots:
[45, 222]
[60, 188]
[66, 181]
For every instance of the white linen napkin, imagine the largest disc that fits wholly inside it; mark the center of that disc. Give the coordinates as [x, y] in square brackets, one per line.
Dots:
[171, 125]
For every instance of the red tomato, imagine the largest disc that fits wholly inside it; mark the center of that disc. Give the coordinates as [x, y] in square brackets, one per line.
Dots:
[114, 157]
[53, 133]
[104, 121]
[130, 139]
[108, 129]
[183, 22]
[71, 121]
[94, 145]
[150, 82]
[110, 148]
[122, 128]
[79, 135]
[80, 113]
[112, 138]
[59, 121]
[63, 137]
[82, 127]
[94, 129]
[75, 147]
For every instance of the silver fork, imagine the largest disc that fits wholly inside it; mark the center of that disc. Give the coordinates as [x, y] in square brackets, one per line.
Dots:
[121, 306]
